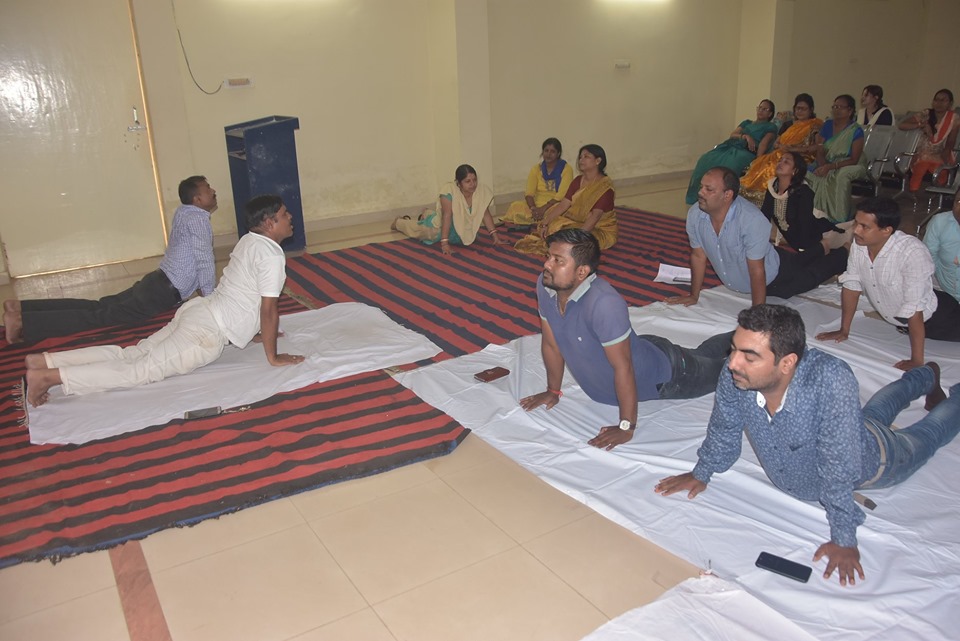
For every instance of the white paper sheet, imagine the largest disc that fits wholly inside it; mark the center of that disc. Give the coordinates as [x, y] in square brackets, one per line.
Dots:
[672, 274]
[338, 340]
[910, 545]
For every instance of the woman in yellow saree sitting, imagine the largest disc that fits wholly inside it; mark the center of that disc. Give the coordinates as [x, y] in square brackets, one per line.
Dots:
[547, 183]
[799, 136]
[587, 205]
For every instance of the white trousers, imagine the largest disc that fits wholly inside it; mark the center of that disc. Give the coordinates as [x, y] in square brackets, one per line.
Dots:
[191, 340]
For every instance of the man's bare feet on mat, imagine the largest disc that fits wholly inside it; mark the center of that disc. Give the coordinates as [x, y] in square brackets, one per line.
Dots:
[13, 325]
[35, 361]
[936, 394]
[39, 382]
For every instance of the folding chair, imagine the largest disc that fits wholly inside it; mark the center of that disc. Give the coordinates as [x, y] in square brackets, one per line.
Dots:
[953, 181]
[875, 150]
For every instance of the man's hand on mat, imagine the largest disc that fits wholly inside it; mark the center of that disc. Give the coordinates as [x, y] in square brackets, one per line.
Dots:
[286, 359]
[680, 483]
[259, 338]
[836, 335]
[547, 399]
[610, 437]
[844, 560]
[908, 364]
[686, 301]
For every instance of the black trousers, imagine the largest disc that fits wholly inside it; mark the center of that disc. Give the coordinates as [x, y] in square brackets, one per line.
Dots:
[944, 323]
[151, 295]
[802, 271]
[694, 372]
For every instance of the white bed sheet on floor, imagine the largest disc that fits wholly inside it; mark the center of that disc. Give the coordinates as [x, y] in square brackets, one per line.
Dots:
[910, 545]
[338, 340]
[706, 607]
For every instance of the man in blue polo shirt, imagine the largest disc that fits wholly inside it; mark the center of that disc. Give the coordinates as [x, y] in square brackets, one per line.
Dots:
[586, 327]
[734, 236]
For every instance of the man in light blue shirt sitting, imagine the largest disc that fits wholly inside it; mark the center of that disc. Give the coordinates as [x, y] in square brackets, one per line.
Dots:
[801, 410]
[943, 240]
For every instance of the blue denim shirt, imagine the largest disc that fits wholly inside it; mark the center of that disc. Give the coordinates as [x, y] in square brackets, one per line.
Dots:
[814, 448]
[745, 234]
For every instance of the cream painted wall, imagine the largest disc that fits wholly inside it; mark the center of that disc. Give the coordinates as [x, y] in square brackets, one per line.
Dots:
[473, 64]
[78, 184]
[380, 85]
[939, 65]
[356, 74]
[444, 80]
[553, 74]
[758, 25]
[838, 47]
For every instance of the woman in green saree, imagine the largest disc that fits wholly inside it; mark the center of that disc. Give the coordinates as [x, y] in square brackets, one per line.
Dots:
[840, 161]
[750, 139]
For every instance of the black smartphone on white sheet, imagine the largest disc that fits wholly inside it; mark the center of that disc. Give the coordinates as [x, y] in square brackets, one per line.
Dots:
[206, 412]
[784, 567]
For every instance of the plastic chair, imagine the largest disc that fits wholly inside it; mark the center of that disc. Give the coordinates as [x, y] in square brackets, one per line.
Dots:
[903, 149]
[875, 151]
[953, 181]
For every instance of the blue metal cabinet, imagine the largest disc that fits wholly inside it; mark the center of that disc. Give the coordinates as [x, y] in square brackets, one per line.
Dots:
[263, 160]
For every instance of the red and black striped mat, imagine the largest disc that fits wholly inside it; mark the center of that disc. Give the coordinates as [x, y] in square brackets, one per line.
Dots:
[482, 294]
[58, 500]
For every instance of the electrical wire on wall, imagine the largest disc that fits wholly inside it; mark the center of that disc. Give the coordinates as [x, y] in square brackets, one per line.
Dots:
[187, 59]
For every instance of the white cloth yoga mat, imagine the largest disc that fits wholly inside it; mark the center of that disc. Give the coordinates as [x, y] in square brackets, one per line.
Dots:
[702, 608]
[910, 545]
[338, 340]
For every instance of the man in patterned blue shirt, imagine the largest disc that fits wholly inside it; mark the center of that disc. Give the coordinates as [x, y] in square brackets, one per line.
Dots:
[801, 410]
[187, 266]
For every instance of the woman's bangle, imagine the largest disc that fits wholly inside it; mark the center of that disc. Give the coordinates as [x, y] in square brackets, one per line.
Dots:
[444, 241]
[555, 392]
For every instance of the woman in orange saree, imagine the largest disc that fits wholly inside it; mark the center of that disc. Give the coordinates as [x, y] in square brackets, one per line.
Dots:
[800, 136]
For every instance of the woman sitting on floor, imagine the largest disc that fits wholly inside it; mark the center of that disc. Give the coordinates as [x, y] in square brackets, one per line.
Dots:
[789, 205]
[750, 139]
[800, 136]
[840, 161]
[461, 206]
[587, 205]
[547, 183]
[939, 124]
[872, 110]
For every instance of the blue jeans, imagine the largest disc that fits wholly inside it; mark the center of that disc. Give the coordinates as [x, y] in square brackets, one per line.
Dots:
[909, 448]
[694, 372]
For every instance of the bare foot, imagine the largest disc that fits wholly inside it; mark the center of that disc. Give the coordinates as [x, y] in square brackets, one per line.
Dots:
[936, 395]
[393, 225]
[35, 361]
[11, 305]
[13, 325]
[39, 382]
